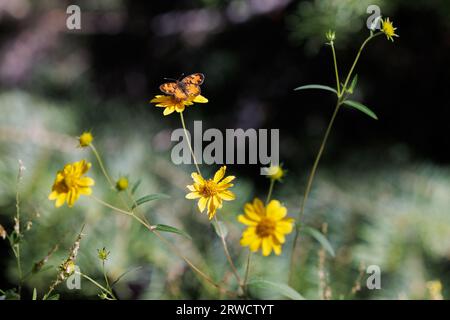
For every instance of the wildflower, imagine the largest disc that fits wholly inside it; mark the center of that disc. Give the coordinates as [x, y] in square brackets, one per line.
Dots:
[435, 290]
[70, 183]
[330, 35]
[171, 104]
[103, 254]
[212, 191]
[276, 173]
[388, 29]
[85, 139]
[122, 184]
[267, 226]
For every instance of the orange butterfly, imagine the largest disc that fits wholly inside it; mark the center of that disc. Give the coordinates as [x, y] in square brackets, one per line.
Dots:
[184, 89]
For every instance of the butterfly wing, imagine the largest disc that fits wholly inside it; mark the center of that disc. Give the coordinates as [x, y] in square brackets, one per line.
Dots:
[173, 89]
[195, 78]
[191, 84]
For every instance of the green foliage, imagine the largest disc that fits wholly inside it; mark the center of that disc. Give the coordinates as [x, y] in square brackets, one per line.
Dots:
[360, 107]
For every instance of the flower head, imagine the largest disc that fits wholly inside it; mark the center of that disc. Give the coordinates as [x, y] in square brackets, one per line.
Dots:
[103, 254]
[172, 104]
[435, 290]
[85, 139]
[122, 184]
[211, 192]
[276, 173]
[70, 183]
[267, 226]
[330, 35]
[388, 29]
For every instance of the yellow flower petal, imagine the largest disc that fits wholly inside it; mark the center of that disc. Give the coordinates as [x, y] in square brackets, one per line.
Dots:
[275, 210]
[193, 195]
[243, 219]
[266, 246]
[219, 174]
[202, 204]
[227, 195]
[200, 99]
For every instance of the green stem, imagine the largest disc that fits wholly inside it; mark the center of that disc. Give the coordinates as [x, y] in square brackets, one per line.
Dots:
[247, 272]
[189, 142]
[227, 254]
[102, 166]
[269, 194]
[18, 234]
[338, 84]
[309, 185]
[172, 247]
[97, 284]
[356, 61]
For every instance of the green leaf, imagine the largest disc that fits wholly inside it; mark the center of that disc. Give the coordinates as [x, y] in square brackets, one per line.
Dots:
[280, 288]
[53, 297]
[34, 294]
[123, 275]
[316, 86]
[136, 186]
[150, 197]
[166, 228]
[220, 228]
[361, 108]
[353, 84]
[316, 234]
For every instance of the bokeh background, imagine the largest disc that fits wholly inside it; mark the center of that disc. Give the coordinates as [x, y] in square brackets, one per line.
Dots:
[383, 186]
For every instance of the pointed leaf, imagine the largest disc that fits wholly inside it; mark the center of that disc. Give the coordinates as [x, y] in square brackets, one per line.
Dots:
[166, 228]
[220, 228]
[316, 234]
[361, 107]
[280, 288]
[123, 275]
[353, 84]
[34, 294]
[316, 86]
[148, 198]
[136, 186]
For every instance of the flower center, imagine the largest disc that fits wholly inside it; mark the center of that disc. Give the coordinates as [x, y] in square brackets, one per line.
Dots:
[70, 181]
[265, 227]
[208, 189]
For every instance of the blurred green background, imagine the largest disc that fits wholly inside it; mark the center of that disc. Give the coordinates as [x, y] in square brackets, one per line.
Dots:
[383, 186]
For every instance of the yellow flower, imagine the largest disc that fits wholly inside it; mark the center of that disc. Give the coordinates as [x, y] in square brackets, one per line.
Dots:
[435, 290]
[267, 226]
[70, 183]
[171, 104]
[211, 192]
[122, 184]
[276, 173]
[388, 29]
[85, 139]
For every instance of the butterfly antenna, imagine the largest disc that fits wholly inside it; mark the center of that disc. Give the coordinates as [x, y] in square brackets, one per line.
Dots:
[170, 79]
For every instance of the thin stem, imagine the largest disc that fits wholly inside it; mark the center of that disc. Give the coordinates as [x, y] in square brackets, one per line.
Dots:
[104, 274]
[97, 284]
[338, 84]
[356, 61]
[309, 184]
[227, 253]
[102, 166]
[189, 143]
[174, 249]
[17, 229]
[269, 194]
[247, 271]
